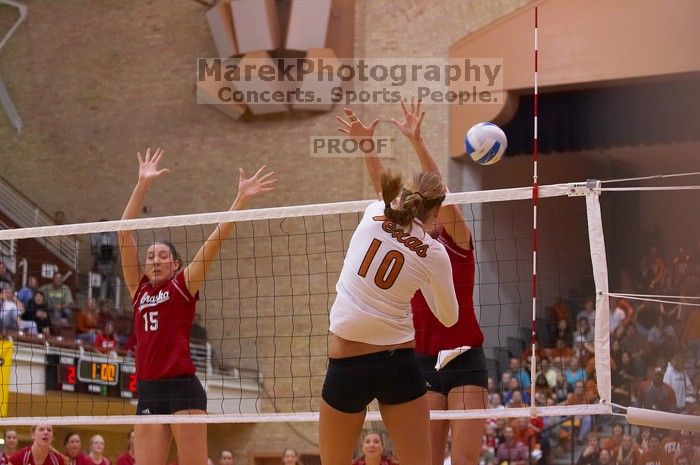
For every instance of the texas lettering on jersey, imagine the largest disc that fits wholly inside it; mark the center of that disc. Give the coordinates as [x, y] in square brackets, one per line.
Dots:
[148, 301]
[413, 243]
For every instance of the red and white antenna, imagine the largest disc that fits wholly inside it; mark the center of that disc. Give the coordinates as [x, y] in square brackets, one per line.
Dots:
[535, 194]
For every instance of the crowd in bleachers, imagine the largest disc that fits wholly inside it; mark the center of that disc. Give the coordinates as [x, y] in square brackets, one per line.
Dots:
[37, 309]
[655, 364]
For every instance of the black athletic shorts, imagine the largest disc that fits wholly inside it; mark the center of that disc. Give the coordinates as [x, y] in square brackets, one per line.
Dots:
[169, 395]
[467, 369]
[390, 376]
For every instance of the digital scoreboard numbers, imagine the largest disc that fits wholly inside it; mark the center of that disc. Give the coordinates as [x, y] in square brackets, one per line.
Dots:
[90, 376]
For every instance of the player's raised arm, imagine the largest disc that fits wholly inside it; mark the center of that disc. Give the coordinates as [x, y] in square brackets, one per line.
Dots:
[148, 172]
[355, 129]
[450, 216]
[196, 271]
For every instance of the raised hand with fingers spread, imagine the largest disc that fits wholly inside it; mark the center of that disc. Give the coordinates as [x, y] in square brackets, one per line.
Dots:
[259, 183]
[148, 166]
[410, 127]
[356, 128]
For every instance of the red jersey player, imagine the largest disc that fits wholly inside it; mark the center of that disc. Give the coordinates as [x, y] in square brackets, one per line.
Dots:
[164, 295]
[462, 383]
[128, 458]
[40, 452]
[10, 446]
[73, 449]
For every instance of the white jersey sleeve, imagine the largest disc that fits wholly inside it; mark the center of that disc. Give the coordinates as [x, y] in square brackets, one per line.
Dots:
[440, 291]
[384, 266]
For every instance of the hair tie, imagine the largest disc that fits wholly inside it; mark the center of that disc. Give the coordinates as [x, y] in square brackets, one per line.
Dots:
[387, 205]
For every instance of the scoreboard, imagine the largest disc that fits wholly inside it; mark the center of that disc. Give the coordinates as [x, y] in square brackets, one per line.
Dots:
[89, 375]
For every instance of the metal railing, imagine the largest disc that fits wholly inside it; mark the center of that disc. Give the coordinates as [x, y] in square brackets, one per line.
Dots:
[26, 213]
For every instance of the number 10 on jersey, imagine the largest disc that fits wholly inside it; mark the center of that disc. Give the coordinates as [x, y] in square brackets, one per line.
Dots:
[389, 267]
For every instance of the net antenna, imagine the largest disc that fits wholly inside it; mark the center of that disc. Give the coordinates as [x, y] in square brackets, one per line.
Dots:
[5, 98]
[535, 189]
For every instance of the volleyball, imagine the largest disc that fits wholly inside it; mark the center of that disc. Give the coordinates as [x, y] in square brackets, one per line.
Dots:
[485, 143]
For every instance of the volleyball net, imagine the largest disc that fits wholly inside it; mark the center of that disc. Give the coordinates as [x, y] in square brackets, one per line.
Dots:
[261, 346]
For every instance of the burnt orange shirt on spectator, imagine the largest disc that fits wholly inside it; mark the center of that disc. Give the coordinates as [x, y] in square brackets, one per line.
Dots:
[654, 458]
[87, 321]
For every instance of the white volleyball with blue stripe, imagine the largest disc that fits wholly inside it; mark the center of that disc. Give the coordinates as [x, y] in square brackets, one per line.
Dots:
[485, 143]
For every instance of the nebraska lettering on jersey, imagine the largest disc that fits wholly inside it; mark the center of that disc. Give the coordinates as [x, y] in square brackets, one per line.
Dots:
[397, 232]
[163, 315]
[148, 301]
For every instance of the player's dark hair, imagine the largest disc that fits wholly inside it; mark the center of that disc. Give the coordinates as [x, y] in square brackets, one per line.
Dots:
[68, 436]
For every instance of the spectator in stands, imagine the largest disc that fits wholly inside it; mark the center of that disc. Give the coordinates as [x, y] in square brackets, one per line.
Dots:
[10, 446]
[643, 439]
[615, 440]
[5, 276]
[588, 312]
[106, 341]
[11, 310]
[495, 402]
[622, 377]
[519, 373]
[583, 330]
[658, 268]
[625, 283]
[604, 458]
[690, 338]
[510, 450]
[680, 382]
[655, 394]
[559, 311]
[552, 374]
[562, 331]
[542, 387]
[373, 451]
[518, 398]
[687, 450]
[643, 275]
[583, 351]
[681, 266]
[505, 379]
[128, 458]
[38, 311]
[574, 373]
[73, 447]
[589, 455]
[617, 316]
[104, 260]
[525, 432]
[27, 292]
[647, 317]
[561, 352]
[60, 300]
[86, 324]
[106, 313]
[97, 448]
[627, 453]
[226, 457]
[289, 457]
[490, 441]
[632, 343]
